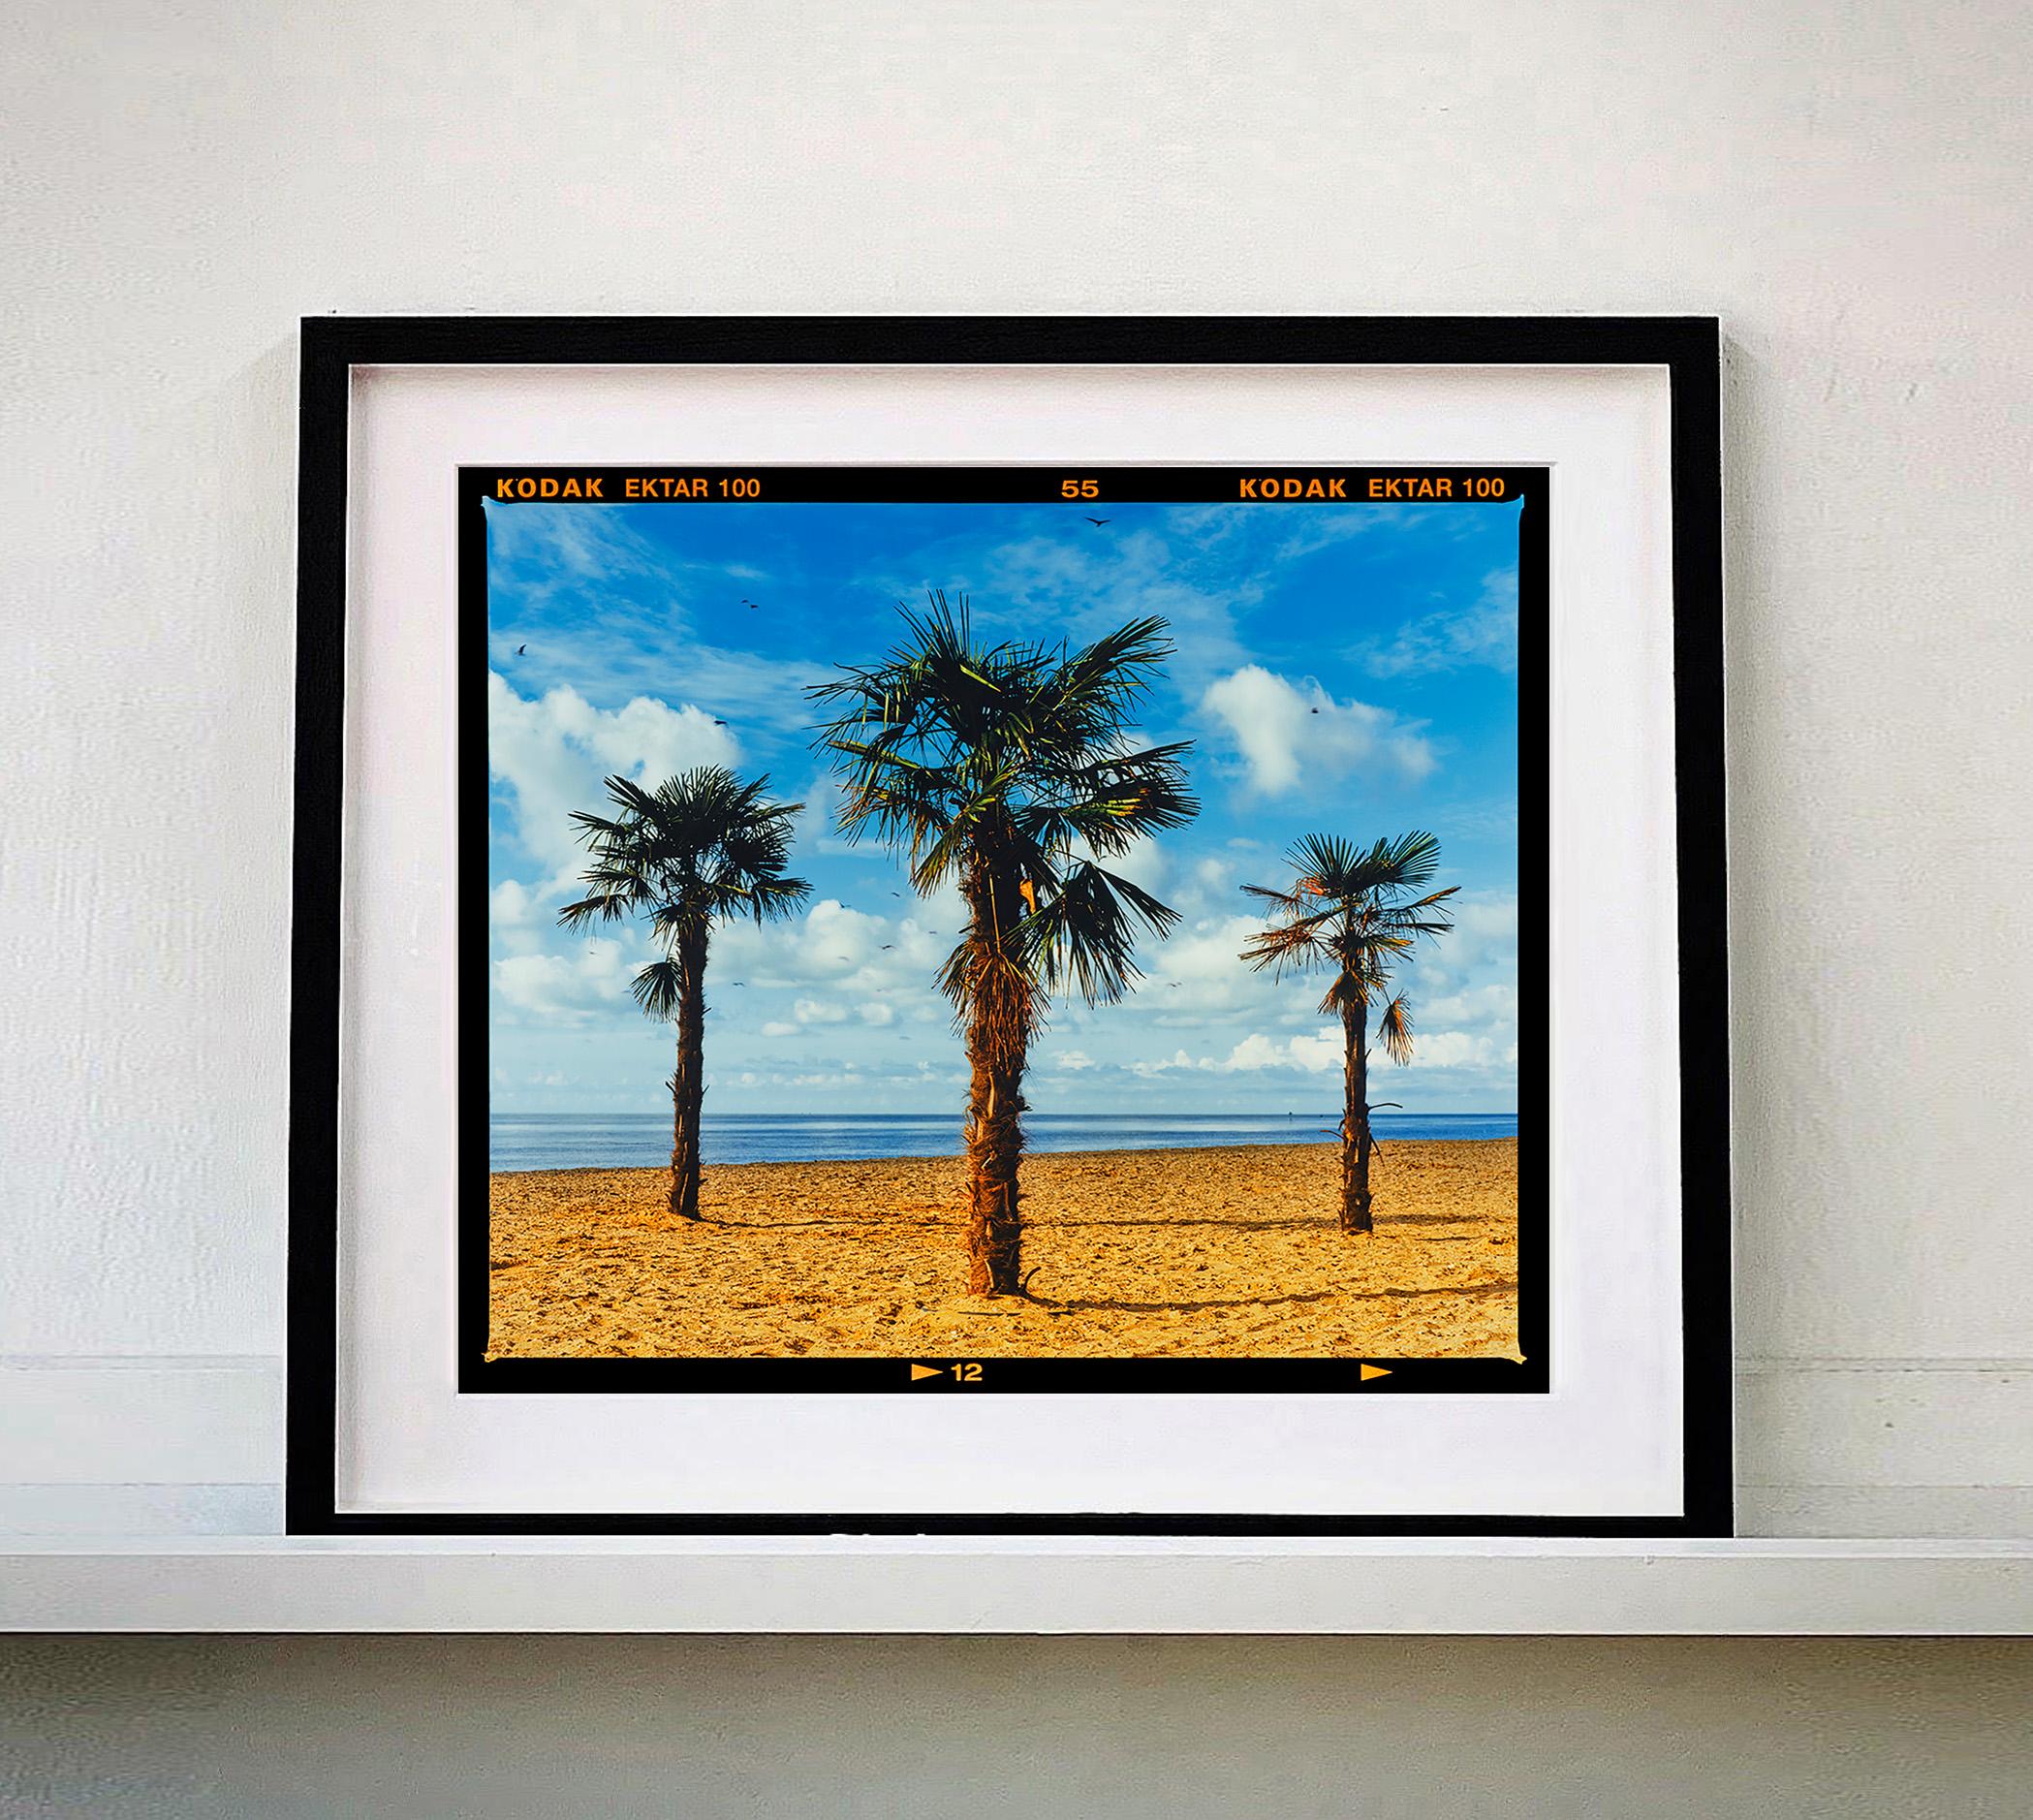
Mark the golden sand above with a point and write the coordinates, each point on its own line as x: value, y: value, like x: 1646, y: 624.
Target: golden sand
x: 1137, y: 1253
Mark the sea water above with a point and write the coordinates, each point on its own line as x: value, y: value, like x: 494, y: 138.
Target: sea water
x: 643, y: 1140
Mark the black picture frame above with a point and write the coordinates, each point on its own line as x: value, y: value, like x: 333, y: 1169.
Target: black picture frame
x: 1687, y: 348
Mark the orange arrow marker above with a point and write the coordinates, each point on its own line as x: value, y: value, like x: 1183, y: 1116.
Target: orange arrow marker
x: 927, y: 1371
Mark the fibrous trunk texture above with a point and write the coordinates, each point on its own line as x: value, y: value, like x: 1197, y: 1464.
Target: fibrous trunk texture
x: 994, y: 1149
x: 998, y: 1041
x: 688, y: 1081
x: 1354, y: 1120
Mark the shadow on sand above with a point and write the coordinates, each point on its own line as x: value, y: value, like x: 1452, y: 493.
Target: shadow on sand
x: 1271, y: 1302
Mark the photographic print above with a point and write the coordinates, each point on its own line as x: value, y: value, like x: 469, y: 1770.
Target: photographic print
x: 889, y: 940
x: 974, y: 930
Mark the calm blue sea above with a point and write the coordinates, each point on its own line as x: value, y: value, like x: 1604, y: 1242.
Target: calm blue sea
x: 643, y: 1140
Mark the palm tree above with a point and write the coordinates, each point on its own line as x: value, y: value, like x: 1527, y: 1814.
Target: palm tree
x: 1009, y: 769
x: 1355, y: 912
x: 701, y: 848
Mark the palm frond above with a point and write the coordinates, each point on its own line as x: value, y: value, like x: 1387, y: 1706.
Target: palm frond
x: 698, y: 847
x: 1394, y: 1030
x: 1010, y: 768
x: 1284, y: 948
x: 1083, y: 936
x: 657, y: 987
x: 1357, y: 911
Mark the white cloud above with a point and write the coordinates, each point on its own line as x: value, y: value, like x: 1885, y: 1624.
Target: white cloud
x: 553, y: 546
x: 567, y: 989
x: 1454, y: 1049
x: 515, y: 915
x: 1484, y: 632
x: 1293, y: 734
x: 777, y: 1026
x: 1147, y: 864
x: 553, y: 752
x: 875, y: 1013
x: 837, y: 949
x: 1315, y: 1053
x: 833, y: 941
x: 1493, y: 1003
x: 1479, y: 950
x: 1086, y: 581
x: 509, y: 904
x: 1201, y: 969
x: 1320, y: 1053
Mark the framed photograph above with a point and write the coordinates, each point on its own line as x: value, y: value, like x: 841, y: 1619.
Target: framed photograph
x: 1035, y: 927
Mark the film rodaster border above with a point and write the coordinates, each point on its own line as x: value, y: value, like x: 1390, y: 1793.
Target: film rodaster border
x: 1270, y: 487
x: 1186, y: 484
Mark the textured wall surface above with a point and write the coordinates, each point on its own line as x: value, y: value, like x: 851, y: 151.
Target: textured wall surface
x: 1849, y: 187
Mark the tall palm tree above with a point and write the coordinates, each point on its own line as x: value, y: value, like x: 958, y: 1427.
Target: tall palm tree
x: 701, y: 848
x: 1355, y: 912
x: 1009, y: 769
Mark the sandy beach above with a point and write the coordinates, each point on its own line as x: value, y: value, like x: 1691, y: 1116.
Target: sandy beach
x: 1138, y: 1254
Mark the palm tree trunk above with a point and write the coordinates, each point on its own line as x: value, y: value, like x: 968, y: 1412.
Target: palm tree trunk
x: 688, y: 1081
x: 1355, y: 1119
x: 998, y: 1043
x: 994, y: 1150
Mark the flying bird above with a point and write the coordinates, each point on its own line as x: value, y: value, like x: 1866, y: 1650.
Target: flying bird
x: 520, y: 648
x: 1101, y: 521
x: 1316, y: 710
x: 886, y: 946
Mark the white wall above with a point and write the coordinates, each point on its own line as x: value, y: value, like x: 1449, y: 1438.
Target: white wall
x: 1847, y: 185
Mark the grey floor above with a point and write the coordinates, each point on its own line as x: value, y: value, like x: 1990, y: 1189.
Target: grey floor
x: 1071, y: 1727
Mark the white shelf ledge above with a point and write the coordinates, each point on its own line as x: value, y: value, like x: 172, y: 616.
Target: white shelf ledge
x: 1019, y: 1586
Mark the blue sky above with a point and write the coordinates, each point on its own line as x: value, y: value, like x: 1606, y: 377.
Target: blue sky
x: 1342, y: 667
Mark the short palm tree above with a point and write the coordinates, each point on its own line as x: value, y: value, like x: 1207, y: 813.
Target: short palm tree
x: 702, y: 848
x: 1009, y: 768
x: 1355, y: 912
